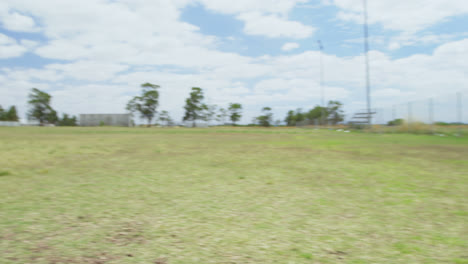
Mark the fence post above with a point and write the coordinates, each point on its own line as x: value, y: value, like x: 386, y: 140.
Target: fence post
x: 459, y: 113
x: 394, y: 117
x: 431, y: 114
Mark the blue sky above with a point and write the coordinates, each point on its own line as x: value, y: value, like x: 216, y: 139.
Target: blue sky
x: 92, y: 55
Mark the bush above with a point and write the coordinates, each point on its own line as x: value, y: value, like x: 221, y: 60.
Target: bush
x: 396, y: 122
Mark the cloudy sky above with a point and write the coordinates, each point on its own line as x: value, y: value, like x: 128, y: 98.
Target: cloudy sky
x: 92, y: 55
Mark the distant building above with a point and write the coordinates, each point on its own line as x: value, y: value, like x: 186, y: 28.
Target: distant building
x: 123, y: 120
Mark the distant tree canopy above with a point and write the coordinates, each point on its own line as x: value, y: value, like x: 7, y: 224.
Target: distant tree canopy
x: 293, y: 118
x: 319, y: 114
x: 266, y: 118
x: 332, y: 114
x: 147, y: 103
x: 194, y: 106
x: 41, y: 110
x: 335, y: 112
x: 10, y: 115
x: 165, y: 118
x: 67, y: 120
x: 235, y: 112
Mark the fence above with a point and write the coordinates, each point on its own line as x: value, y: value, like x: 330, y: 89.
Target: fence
x: 105, y: 120
x: 10, y: 123
x: 447, y: 114
x: 196, y: 124
x: 441, y: 114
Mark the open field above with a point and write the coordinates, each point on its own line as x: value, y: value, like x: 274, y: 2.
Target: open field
x: 226, y: 195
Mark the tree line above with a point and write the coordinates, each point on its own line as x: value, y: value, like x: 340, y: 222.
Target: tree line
x: 146, y: 106
x: 9, y: 115
x: 196, y: 109
x: 330, y: 114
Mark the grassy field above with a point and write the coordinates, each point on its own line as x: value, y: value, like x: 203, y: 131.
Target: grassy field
x: 227, y: 195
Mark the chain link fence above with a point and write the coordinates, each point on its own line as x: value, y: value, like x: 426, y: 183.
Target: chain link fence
x: 439, y: 115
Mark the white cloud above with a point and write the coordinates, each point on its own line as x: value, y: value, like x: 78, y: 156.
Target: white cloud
x: 290, y: 46
x: 88, y: 70
x: 402, y: 15
x: 274, y: 26
x: 5, y: 40
x: 408, y: 18
x: 409, y: 39
x: 263, y: 17
x: 15, y: 21
x: 9, y: 47
x: 245, y: 6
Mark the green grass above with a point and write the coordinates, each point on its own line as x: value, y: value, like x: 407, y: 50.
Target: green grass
x: 231, y: 195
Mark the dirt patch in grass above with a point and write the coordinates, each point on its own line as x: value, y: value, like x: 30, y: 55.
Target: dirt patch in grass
x: 43, y: 251
x: 339, y: 254
x: 129, y: 233
x: 161, y: 261
x: 8, y: 236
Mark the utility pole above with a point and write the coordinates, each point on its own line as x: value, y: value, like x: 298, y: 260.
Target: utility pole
x: 366, y: 53
x: 322, y: 92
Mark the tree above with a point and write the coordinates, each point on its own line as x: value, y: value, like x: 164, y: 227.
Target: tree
x: 165, y: 118
x: 221, y: 117
x: 300, y: 116
x: 194, y: 106
x: 295, y: 117
x: 267, y: 118
x: 67, y: 120
x: 235, y: 112
x: 12, y: 114
x: 52, y: 117
x: 290, y: 118
x: 335, y: 112
x: 40, y: 107
x: 317, y: 113
x: 2, y: 114
x: 147, y: 103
